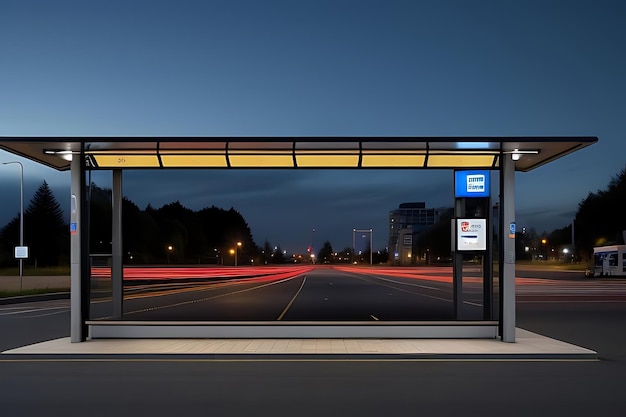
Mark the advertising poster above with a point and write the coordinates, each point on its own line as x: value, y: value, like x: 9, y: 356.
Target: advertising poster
x: 471, y: 234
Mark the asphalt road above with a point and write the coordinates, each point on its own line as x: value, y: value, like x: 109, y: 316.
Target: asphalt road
x: 323, y: 293
x: 590, y: 314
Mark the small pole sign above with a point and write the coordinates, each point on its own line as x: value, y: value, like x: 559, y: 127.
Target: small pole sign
x: 512, y: 230
x: 21, y: 252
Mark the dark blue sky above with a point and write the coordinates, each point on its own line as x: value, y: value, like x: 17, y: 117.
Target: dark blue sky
x: 318, y: 68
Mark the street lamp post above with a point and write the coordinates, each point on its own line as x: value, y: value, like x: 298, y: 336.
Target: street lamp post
x: 237, y: 250
x: 21, y: 214
x: 170, y: 249
x: 313, y: 245
x: 371, y: 232
x: 234, y: 251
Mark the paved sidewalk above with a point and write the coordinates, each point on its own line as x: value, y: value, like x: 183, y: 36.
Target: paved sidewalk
x: 529, y: 346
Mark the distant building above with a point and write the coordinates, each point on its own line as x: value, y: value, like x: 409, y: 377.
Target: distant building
x: 405, y: 224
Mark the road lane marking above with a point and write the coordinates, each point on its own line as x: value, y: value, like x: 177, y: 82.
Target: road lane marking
x: 32, y: 310
x: 405, y: 283
x: 44, y: 315
x: 472, y: 304
x: 378, y: 277
x: 292, y: 300
x: 209, y: 298
x: 40, y: 304
x: 400, y: 289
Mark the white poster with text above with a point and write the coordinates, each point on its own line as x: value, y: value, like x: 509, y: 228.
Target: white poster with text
x: 471, y: 234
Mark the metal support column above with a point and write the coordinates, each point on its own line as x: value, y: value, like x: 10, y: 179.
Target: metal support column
x: 117, y: 272
x: 371, y: 247
x: 507, y: 247
x: 77, y: 318
x: 457, y: 265
x: 488, y: 268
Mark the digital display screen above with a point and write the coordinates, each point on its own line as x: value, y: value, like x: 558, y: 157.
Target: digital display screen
x: 475, y: 183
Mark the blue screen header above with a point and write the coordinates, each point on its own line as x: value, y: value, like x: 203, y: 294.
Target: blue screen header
x: 475, y: 183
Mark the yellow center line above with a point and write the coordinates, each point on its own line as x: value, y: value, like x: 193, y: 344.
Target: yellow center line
x: 292, y: 300
x: 209, y: 298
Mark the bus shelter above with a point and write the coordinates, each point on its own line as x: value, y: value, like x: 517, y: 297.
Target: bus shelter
x: 502, y: 155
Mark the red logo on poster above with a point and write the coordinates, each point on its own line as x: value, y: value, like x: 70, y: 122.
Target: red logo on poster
x: 465, y: 226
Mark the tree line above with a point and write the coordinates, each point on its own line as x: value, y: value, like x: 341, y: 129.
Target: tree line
x: 600, y: 220
x: 176, y: 234
x: 170, y: 234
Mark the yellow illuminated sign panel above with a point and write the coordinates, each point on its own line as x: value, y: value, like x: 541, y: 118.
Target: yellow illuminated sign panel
x: 327, y: 159
x: 126, y: 161
x: 381, y: 159
x: 460, y: 161
x: 195, y: 161
x: 260, y: 159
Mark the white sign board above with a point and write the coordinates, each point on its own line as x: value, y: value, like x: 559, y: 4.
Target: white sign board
x: 21, y: 252
x: 471, y: 234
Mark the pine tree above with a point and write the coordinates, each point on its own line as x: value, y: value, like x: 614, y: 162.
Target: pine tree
x: 45, y: 231
x: 9, y: 238
x: 325, y: 254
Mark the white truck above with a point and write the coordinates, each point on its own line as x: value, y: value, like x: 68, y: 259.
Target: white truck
x: 609, y: 261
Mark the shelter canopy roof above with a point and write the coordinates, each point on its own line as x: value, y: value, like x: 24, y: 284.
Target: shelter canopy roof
x: 116, y: 152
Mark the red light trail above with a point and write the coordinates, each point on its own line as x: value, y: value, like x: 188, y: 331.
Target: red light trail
x: 175, y: 273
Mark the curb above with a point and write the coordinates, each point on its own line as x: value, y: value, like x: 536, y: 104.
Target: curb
x: 286, y: 357
x: 35, y: 298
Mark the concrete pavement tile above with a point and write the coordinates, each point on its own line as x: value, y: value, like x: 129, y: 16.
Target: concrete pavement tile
x: 528, y: 345
x: 280, y: 345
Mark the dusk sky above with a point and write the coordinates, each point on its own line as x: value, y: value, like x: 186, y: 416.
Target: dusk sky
x: 317, y: 68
